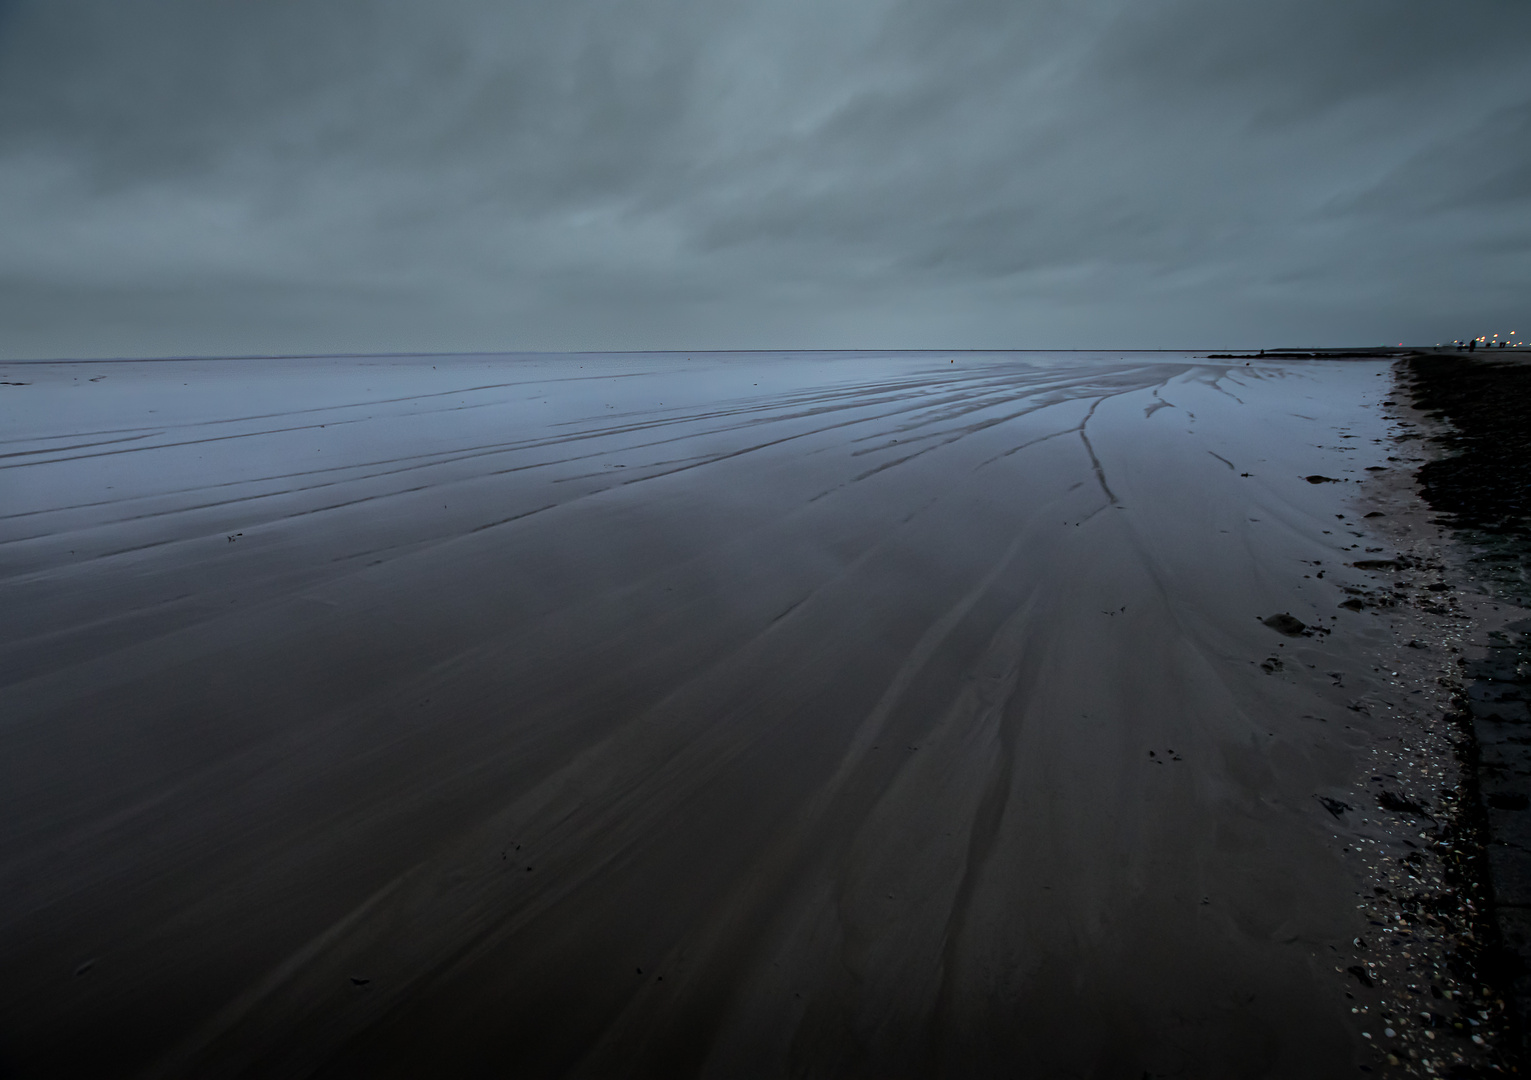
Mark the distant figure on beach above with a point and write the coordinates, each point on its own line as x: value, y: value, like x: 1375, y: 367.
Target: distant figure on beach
x: 1472, y: 346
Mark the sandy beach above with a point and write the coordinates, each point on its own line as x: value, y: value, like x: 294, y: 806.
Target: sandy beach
x: 845, y: 714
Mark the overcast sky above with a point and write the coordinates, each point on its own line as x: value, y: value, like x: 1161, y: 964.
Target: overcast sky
x: 289, y: 176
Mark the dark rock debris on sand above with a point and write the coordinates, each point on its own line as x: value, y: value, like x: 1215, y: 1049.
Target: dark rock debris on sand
x: 1479, y: 483
x: 1286, y: 623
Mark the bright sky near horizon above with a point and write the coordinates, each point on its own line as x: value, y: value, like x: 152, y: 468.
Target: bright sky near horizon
x: 218, y: 177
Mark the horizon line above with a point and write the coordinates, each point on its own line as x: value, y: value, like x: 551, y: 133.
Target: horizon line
x: 191, y: 358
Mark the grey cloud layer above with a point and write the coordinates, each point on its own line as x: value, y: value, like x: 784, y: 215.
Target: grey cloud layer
x: 283, y: 176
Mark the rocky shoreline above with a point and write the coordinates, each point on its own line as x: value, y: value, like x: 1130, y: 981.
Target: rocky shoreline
x: 1437, y: 828
x: 1479, y: 414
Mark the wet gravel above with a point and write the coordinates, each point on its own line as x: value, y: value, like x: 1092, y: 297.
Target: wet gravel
x: 1441, y: 976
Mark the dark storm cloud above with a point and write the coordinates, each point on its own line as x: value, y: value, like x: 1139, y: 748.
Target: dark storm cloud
x: 284, y: 176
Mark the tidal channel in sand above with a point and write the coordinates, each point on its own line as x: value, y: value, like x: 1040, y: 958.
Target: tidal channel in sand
x: 733, y: 715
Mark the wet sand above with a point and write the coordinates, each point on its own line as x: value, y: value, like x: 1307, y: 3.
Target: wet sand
x: 753, y: 715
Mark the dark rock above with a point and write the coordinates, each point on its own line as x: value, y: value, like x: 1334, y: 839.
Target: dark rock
x: 1286, y: 624
x: 1389, y: 800
x: 1334, y: 806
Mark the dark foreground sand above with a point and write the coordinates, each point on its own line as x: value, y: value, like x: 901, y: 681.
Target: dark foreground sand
x: 737, y: 716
